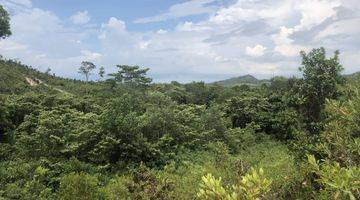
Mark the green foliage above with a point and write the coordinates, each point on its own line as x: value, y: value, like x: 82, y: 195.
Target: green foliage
x: 252, y: 186
x: 340, y: 139
x: 5, y: 122
x: 102, y: 72
x: 57, y: 133
x: 4, y: 23
x: 86, y: 68
x: 320, y: 78
x: 212, y: 188
x: 125, y: 138
x: 78, y: 186
x: 338, y: 182
x: 117, y: 189
x: 244, y: 110
x: 132, y: 76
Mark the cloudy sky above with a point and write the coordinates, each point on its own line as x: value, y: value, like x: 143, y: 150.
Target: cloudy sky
x: 182, y: 40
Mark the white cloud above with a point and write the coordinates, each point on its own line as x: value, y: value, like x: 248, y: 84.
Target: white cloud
x: 315, y: 12
x: 143, y: 45
x: 35, y: 21
x: 250, y: 10
x: 115, y: 24
x: 347, y: 26
x: 91, y: 56
x: 161, y: 31
x: 188, y: 8
x: 257, y: 50
x: 228, y: 42
x: 190, y: 26
x: 81, y: 17
x: 285, y: 45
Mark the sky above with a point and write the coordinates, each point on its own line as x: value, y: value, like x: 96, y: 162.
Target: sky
x: 181, y: 40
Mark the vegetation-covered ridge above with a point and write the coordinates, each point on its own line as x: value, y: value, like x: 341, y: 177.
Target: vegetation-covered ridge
x: 242, y: 80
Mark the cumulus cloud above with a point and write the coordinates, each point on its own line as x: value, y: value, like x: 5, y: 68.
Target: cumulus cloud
x: 115, y: 24
x: 41, y: 39
x: 284, y: 44
x: 262, y: 38
x: 257, y: 50
x: 248, y: 10
x: 81, y: 17
x: 314, y: 12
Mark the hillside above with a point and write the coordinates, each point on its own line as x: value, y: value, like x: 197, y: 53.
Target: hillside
x: 241, y: 80
x: 16, y: 78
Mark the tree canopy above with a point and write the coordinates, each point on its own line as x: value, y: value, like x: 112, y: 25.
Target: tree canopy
x: 321, y: 76
x: 86, y: 68
x: 131, y: 76
x: 4, y: 23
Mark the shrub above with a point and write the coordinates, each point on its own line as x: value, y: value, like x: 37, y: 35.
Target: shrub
x: 78, y: 186
x: 252, y: 186
x: 337, y: 182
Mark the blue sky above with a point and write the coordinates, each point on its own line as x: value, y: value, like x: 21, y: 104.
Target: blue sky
x: 181, y: 40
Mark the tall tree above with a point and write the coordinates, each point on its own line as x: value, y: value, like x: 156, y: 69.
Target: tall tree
x: 4, y: 23
x: 131, y: 76
x: 86, y: 68
x: 320, y: 78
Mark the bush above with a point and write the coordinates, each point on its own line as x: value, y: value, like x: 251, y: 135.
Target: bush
x: 337, y: 182
x: 78, y: 186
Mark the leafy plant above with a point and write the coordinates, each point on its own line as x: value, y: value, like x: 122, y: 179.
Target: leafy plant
x: 252, y: 186
x: 338, y: 182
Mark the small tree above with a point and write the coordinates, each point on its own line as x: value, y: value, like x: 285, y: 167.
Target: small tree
x: 48, y: 70
x: 131, y: 76
x: 102, y: 72
x: 4, y: 23
x: 86, y: 68
x: 320, y: 78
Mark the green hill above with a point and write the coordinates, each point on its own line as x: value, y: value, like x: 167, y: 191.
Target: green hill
x: 16, y: 78
x: 241, y: 80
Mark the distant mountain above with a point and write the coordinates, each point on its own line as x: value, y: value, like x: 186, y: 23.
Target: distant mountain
x: 241, y: 80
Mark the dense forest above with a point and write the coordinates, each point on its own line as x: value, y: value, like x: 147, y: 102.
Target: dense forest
x: 125, y: 137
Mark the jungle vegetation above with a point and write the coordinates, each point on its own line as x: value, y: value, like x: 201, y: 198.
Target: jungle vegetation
x: 125, y: 137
